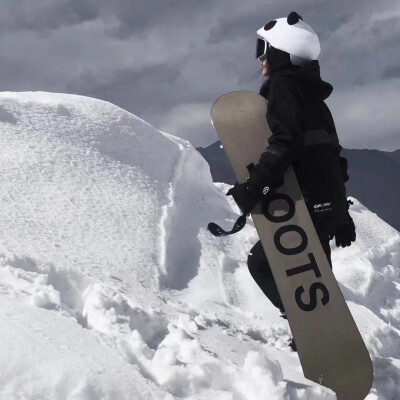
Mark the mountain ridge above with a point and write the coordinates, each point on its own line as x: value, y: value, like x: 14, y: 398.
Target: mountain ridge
x: 373, y: 174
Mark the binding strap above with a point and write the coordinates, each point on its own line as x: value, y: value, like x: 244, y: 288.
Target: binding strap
x: 216, y: 230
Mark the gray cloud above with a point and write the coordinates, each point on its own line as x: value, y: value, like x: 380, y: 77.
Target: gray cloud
x: 141, y: 90
x: 43, y: 15
x: 167, y: 61
x: 136, y: 18
x: 391, y: 72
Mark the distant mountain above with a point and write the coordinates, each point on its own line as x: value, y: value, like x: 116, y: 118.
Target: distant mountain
x: 220, y: 166
x: 394, y: 155
x: 375, y: 181
x: 374, y: 178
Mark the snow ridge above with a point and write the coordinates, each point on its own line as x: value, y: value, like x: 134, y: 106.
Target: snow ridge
x: 111, y: 287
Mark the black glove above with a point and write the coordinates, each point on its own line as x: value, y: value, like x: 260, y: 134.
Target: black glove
x: 244, y: 197
x: 345, y: 234
x: 260, y: 180
x: 257, y: 188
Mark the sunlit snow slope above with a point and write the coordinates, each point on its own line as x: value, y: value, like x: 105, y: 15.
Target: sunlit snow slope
x: 112, y: 288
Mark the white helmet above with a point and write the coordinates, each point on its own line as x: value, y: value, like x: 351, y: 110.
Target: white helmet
x: 291, y: 35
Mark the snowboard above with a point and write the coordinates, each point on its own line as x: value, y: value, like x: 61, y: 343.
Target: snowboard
x: 329, y: 345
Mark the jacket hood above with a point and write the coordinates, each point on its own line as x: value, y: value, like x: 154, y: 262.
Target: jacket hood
x: 307, y: 74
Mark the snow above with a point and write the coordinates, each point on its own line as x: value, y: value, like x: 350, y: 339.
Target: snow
x: 112, y: 288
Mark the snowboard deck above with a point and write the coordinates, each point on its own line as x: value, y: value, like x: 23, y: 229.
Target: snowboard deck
x: 329, y: 345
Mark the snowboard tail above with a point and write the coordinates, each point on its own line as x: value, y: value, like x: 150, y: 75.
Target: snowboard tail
x: 329, y: 345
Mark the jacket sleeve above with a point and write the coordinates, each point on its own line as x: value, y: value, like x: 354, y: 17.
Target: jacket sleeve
x: 285, y: 119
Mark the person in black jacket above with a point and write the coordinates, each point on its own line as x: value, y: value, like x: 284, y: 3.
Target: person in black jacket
x: 303, y: 135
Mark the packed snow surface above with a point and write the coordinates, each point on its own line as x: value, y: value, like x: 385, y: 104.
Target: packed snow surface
x: 112, y: 288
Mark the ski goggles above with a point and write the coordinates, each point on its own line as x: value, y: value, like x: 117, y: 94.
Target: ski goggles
x: 261, y: 49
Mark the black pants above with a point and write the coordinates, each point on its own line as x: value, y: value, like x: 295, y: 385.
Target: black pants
x: 261, y: 271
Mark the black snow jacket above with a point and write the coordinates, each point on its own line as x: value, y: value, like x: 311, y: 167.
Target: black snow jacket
x: 304, y: 135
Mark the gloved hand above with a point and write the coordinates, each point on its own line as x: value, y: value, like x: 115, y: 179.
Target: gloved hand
x: 345, y: 234
x: 245, y: 198
x: 260, y: 181
x: 257, y: 188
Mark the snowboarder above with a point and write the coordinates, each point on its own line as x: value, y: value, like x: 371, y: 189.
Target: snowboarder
x: 303, y: 135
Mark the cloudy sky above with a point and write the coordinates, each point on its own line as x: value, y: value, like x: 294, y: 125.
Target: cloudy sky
x: 168, y: 60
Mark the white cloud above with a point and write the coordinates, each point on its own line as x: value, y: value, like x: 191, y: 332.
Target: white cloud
x: 190, y: 121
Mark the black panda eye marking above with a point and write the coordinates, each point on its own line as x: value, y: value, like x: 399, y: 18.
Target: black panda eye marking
x: 293, y: 18
x: 269, y: 26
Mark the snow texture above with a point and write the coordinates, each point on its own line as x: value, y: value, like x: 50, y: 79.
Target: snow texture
x: 112, y: 288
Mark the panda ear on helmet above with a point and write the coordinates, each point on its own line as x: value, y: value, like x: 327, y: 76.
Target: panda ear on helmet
x: 293, y: 18
x: 270, y: 25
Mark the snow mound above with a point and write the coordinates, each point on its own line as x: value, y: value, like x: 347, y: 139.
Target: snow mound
x: 112, y: 288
